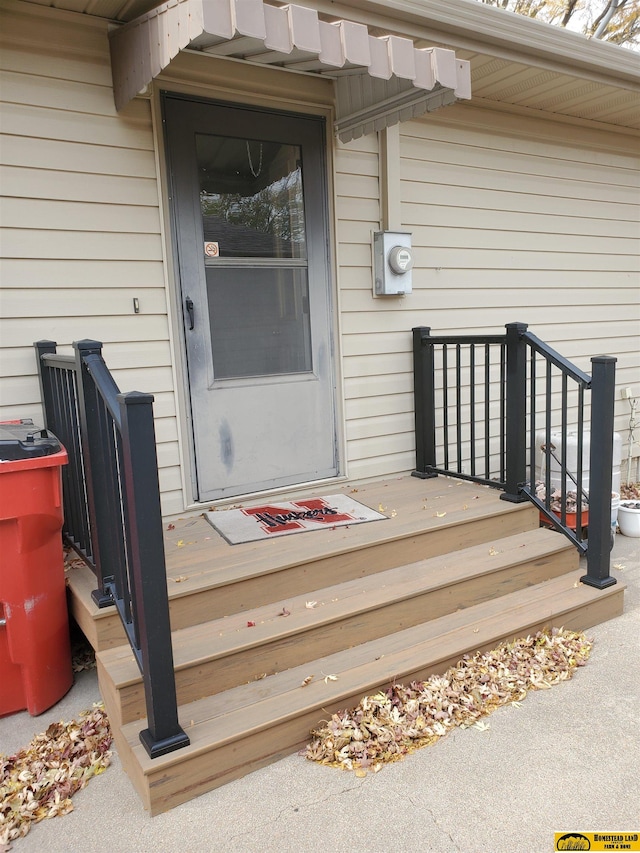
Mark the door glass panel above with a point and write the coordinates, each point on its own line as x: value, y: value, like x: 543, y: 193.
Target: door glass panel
x: 259, y: 321
x: 251, y: 197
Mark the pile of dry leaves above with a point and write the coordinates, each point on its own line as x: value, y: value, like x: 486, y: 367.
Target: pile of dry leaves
x: 630, y: 491
x: 393, y: 723
x: 39, y: 781
x: 555, y: 499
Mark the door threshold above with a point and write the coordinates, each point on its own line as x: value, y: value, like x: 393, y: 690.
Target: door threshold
x: 291, y: 492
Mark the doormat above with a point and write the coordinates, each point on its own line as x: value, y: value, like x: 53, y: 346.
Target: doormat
x: 249, y: 524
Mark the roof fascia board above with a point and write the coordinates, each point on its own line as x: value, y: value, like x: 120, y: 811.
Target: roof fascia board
x: 471, y: 25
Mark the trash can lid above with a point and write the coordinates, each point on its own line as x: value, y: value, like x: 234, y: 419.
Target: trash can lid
x: 23, y: 440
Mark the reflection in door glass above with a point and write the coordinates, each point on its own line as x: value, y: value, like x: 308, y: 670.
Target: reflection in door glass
x: 251, y: 197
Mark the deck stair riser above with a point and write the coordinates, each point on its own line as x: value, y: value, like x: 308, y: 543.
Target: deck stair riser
x: 224, y: 653
x: 250, y: 726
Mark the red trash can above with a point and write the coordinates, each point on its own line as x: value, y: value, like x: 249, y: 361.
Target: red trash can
x: 35, y: 654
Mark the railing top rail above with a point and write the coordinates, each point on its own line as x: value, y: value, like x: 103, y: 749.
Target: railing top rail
x: 105, y: 385
x: 463, y: 339
x: 559, y: 361
x: 55, y: 359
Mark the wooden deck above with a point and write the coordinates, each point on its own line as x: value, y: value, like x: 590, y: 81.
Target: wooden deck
x: 452, y: 569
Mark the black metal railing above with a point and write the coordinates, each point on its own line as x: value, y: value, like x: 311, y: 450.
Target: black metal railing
x: 502, y: 410
x: 113, y: 516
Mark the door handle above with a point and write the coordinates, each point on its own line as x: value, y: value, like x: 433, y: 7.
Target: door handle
x: 189, y: 306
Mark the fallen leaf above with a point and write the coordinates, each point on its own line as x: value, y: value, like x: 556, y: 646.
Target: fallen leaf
x: 329, y: 678
x: 180, y: 579
x: 360, y: 773
x: 307, y: 680
x: 440, y: 515
x: 310, y: 604
x: 393, y: 513
x: 354, y: 491
x: 619, y: 567
x: 483, y: 727
x: 493, y: 552
x: 284, y: 612
x: 382, y: 508
x: 465, y: 506
x: 251, y: 624
x: 180, y: 543
x: 475, y: 630
x: 171, y: 527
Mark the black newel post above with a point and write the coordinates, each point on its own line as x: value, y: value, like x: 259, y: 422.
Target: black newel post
x: 424, y: 403
x: 101, y: 517
x: 516, y: 413
x: 46, y: 393
x: 148, y: 574
x: 603, y: 380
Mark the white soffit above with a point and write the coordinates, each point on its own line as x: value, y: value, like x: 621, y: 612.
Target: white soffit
x: 380, y: 80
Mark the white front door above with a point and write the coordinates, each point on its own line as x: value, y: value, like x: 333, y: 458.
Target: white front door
x: 249, y: 205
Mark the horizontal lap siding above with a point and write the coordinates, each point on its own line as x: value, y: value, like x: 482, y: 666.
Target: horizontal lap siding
x: 512, y: 220
x: 376, y: 363
x: 80, y: 222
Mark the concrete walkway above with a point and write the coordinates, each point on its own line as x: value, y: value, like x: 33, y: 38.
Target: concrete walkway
x: 567, y: 760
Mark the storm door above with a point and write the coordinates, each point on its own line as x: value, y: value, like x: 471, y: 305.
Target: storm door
x: 248, y: 195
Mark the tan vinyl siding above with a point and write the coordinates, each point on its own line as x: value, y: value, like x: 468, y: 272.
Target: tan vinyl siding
x: 512, y: 220
x: 80, y: 221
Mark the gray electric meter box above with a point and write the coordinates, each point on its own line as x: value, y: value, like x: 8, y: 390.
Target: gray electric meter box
x: 392, y: 263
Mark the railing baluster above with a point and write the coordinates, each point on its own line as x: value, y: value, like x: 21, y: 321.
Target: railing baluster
x: 533, y: 452
x: 580, y: 450
x: 547, y: 436
x: 563, y: 451
x: 472, y: 407
x: 503, y: 419
x: 459, y: 407
x: 487, y: 411
x: 445, y: 404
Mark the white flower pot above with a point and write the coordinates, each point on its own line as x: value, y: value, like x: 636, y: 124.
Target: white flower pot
x: 629, y: 518
x: 615, y: 504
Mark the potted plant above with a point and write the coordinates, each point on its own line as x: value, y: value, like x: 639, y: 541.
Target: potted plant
x: 570, y: 505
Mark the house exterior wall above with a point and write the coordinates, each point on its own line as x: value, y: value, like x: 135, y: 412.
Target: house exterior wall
x: 80, y: 220
x: 513, y: 218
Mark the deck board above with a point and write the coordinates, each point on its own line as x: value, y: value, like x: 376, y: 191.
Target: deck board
x: 223, y: 652
x: 207, y: 558
x: 207, y: 578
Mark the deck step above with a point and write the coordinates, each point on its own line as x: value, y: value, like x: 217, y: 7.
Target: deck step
x: 209, y: 579
x: 221, y: 654
x: 247, y: 727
